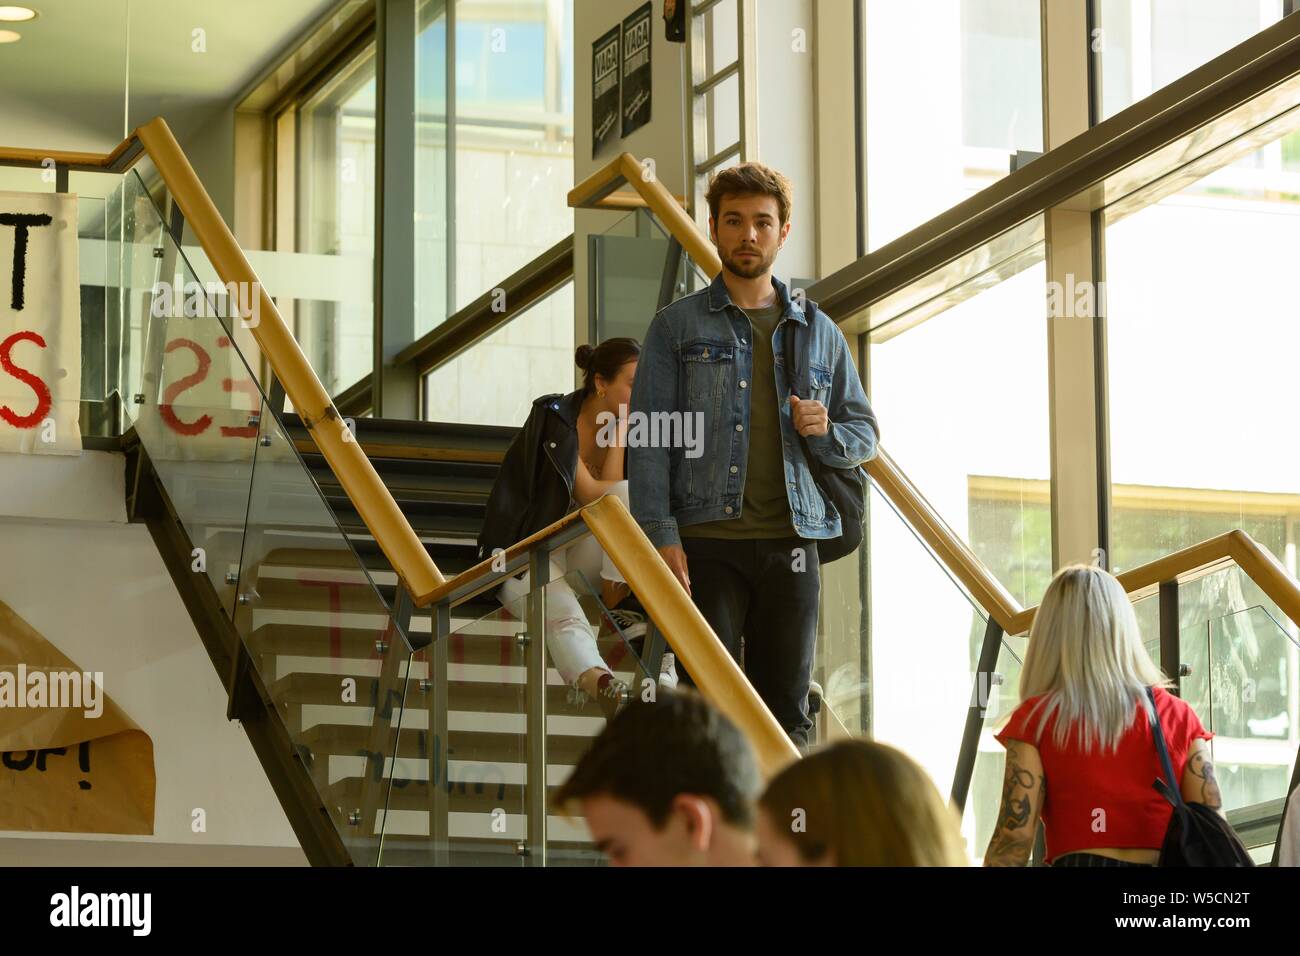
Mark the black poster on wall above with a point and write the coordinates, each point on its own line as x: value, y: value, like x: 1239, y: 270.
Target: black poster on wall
x: 636, y: 69
x: 604, y: 89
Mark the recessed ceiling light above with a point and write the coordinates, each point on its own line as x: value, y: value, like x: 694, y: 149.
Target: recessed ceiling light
x: 10, y: 36
x: 17, y: 14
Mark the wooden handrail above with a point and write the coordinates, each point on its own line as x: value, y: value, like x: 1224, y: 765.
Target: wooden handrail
x: 973, y: 574
x: 362, y: 484
x: 626, y: 168
x: 625, y: 201
x: 715, y: 672
x: 118, y: 160
x: 1232, y: 547
x: 484, y: 567
x: 1256, y: 561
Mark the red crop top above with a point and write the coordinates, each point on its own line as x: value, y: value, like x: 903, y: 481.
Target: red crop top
x: 1106, y: 799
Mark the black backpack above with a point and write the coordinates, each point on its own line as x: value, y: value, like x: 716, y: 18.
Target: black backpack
x: 1197, y: 835
x: 844, y: 488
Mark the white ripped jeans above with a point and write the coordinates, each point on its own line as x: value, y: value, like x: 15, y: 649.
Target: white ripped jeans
x: 569, y: 638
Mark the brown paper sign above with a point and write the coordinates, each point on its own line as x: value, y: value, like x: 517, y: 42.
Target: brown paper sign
x: 71, y: 761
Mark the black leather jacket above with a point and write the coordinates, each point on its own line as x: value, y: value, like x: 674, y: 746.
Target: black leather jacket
x: 535, y: 483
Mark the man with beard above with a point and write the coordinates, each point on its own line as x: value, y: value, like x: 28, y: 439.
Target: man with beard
x: 739, y: 524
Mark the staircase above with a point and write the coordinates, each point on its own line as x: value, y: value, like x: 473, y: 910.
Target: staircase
x: 458, y: 790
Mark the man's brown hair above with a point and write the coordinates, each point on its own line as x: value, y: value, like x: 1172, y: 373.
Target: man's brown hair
x: 654, y: 751
x: 750, y: 179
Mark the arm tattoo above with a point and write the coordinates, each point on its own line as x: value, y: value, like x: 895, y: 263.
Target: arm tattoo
x: 1022, y: 792
x: 1015, y: 796
x: 1203, y: 769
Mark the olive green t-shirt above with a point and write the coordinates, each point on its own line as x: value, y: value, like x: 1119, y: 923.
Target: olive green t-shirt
x: 765, y: 506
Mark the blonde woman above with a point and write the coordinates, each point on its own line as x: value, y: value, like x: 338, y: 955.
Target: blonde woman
x: 856, y: 803
x: 1080, y: 749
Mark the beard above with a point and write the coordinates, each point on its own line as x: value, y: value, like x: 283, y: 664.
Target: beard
x: 749, y: 268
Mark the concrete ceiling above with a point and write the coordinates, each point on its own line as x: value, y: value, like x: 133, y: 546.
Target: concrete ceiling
x: 64, y: 85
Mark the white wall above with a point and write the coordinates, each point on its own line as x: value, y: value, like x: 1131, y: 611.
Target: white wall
x: 96, y: 587
x: 211, y: 151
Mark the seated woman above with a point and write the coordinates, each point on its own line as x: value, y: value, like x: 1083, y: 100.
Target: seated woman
x: 561, y: 460
x: 1080, y: 749
x: 856, y: 803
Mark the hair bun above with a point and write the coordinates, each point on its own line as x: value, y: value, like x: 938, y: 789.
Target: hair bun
x: 583, y: 356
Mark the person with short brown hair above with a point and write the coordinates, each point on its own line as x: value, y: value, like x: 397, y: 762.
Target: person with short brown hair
x: 738, y: 519
x: 670, y: 782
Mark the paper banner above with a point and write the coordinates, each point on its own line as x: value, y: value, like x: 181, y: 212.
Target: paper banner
x: 40, y: 324
x: 71, y: 761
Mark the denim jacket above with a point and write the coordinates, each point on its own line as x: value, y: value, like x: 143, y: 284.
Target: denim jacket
x: 697, y: 358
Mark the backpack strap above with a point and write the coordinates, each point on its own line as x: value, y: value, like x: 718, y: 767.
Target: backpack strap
x: 795, y: 348
x: 1170, y: 791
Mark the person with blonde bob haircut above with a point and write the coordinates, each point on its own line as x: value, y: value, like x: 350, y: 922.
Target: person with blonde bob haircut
x: 1084, y: 725
x: 856, y: 803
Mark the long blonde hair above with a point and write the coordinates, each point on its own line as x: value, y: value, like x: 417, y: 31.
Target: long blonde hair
x: 1086, y: 659
x: 866, y: 803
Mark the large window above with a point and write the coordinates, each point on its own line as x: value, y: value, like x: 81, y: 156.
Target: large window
x: 1202, y: 398
x: 496, y: 381
x: 959, y: 383
x: 1146, y: 44
x: 512, y: 128
x: 493, y: 141
x: 335, y: 179
x: 953, y: 93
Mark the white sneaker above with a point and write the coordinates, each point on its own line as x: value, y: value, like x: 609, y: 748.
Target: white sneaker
x: 668, y: 671
x: 630, y: 623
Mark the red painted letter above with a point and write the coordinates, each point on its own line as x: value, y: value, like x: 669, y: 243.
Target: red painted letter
x: 174, y: 390
x: 43, y: 400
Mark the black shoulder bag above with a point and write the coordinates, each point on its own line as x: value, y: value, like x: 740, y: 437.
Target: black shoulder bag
x: 844, y: 488
x: 1197, y: 835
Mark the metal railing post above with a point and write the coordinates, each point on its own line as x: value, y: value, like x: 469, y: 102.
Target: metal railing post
x: 985, y: 678
x: 1170, y: 652
x: 437, y: 700
x: 539, y: 575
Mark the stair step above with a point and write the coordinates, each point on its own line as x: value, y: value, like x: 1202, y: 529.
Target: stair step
x: 451, y: 520
x: 404, y: 850
x: 345, y: 565
x: 414, y: 478
x: 354, y: 594
x: 480, y: 746
x: 395, y: 438
x: 358, y: 643
x: 479, y: 696
x: 465, y: 796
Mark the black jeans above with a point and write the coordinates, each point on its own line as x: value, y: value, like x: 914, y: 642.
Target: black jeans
x: 766, y: 591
